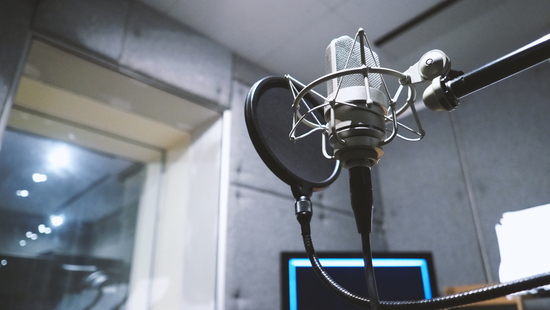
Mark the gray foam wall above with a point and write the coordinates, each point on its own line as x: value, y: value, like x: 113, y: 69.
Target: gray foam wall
x: 489, y: 154
x: 140, y: 42
x: 505, y: 136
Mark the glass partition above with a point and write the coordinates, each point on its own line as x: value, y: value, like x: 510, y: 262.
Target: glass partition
x: 68, y: 217
x: 100, y: 175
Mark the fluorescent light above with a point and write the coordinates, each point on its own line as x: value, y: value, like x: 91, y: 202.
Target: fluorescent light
x: 72, y: 267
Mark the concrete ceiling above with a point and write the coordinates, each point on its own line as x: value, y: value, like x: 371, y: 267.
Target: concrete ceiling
x: 290, y: 37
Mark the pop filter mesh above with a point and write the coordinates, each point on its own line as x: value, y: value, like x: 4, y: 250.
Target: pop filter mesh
x: 268, y: 112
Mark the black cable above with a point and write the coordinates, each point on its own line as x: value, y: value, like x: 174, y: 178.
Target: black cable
x: 451, y: 301
x: 304, y: 214
x: 360, y: 184
x: 369, y: 272
x: 473, y: 296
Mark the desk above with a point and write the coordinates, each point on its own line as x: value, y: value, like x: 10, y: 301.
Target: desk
x: 501, y: 301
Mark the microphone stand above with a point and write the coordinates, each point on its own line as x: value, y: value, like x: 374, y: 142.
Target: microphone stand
x: 445, y: 92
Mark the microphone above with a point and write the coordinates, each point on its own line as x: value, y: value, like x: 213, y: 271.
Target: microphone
x: 359, y: 113
x: 355, y: 105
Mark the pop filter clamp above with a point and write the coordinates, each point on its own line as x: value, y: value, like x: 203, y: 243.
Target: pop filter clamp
x: 276, y: 108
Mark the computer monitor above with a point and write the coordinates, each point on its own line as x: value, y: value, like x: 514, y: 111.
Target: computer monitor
x: 399, y: 276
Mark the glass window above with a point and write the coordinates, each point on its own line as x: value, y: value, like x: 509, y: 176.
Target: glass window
x: 100, y: 175
x: 67, y: 220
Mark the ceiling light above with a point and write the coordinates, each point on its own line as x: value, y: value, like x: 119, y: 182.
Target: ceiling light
x: 72, y: 267
x: 56, y: 220
x: 22, y: 243
x: 22, y: 193
x: 60, y: 157
x: 39, y: 177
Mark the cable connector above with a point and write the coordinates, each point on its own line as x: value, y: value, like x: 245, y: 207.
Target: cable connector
x: 304, y: 212
x: 361, y: 197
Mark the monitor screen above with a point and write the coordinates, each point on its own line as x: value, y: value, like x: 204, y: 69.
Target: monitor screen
x: 399, y: 276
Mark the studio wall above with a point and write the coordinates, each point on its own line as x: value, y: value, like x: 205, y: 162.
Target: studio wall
x: 15, y: 19
x: 487, y: 157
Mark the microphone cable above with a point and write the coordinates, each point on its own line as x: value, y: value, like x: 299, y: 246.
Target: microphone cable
x: 360, y: 184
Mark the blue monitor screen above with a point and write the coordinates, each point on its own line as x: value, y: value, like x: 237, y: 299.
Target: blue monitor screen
x: 399, y: 276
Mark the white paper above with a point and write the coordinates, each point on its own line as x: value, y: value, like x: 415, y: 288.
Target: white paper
x: 523, y: 238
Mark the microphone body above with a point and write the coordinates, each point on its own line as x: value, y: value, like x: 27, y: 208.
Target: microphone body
x: 357, y: 105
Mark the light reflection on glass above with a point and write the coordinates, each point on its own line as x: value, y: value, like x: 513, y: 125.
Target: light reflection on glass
x: 39, y: 177
x: 56, y: 220
x: 60, y: 157
x: 22, y: 193
x: 43, y: 229
x: 92, y: 207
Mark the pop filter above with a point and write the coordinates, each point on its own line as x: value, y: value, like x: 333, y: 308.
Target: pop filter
x: 268, y: 114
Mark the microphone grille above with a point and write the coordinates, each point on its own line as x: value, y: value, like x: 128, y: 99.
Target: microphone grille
x: 336, y: 57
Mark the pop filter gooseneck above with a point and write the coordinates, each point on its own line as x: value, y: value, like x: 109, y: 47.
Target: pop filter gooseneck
x: 268, y: 115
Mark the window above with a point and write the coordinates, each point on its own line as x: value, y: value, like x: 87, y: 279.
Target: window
x: 96, y: 189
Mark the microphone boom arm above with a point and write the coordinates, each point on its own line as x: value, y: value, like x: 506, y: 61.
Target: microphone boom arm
x: 444, y: 93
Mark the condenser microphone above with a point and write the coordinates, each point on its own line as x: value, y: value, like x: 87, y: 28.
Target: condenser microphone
x: 355, y: 105
x: 359, y: 114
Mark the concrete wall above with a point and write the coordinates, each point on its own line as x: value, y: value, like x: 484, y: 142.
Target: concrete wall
x: 15, y: 19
